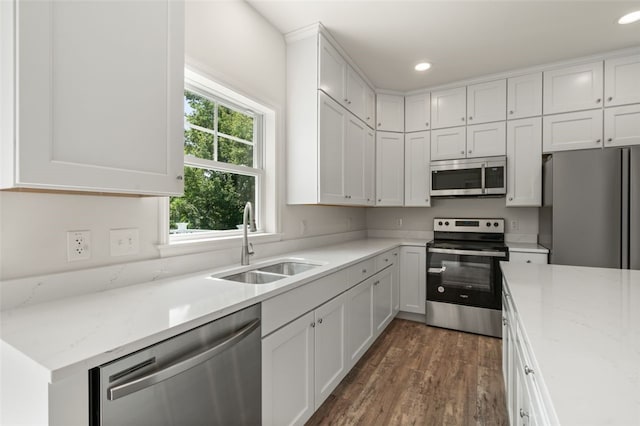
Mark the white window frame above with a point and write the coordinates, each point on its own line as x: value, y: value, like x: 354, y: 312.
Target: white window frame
x: 264, y: 129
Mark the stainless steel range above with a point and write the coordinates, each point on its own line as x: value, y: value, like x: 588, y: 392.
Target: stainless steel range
x: 464, y: 281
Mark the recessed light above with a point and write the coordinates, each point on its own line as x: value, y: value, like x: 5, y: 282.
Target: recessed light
x: 423, y: 66
x: 630, y: 18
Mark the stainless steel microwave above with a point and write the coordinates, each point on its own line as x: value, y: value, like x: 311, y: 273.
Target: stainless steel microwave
x: 471, y: 176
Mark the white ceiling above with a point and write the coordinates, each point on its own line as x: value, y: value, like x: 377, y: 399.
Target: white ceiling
x: 462, y: 39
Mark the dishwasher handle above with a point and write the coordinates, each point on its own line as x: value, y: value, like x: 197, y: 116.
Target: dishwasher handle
x: 180, y: 366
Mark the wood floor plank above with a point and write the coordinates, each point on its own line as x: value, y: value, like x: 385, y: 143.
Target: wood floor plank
x: 419, y: 375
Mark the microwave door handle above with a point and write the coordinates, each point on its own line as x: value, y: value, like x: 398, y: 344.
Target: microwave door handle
x: 483, y: 178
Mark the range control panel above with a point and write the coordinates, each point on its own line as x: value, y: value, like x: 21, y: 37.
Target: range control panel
x: 491, y: 225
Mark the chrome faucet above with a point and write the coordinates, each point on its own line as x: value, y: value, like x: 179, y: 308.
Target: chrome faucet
x: 247, y: 247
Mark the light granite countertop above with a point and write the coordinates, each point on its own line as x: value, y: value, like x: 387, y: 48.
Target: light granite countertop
x: 71, y: 335
x: 583, y: 328
x: 526, y: 248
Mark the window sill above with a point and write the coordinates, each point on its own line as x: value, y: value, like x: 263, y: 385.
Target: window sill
x: 177, y: 248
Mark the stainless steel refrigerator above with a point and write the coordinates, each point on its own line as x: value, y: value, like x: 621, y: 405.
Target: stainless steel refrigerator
x: 591, y: 208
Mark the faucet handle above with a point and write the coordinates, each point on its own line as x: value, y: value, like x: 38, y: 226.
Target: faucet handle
x: 250, y: 252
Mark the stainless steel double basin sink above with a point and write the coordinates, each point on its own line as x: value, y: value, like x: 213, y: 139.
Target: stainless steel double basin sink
x: 270, y: 273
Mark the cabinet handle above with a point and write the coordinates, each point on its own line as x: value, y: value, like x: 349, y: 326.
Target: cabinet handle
x: 346, y: 100
x: 368, y: 118
x: 528, y: 370
x: 610, y: 98
x: 368, y: 199
x: 598, y: 141
x: 395, y: 254
x: 320, y: 321
x: 364, y: 271
x: 426, y: 199
x: 461, y: 152
x: 462, y: 118
x: 523, y: 413
x: 379, y: 124
x: 346, y: 196
x: 598, y: 100
x: 610, y: 140
x: 510, y: 198
x: 469, y: 151
x: 470, y: 118
x: 379, y: 199
x: 376, y: 283
x: 313, y: 325
x: 179, y: 177
x: 426, y: 124
x: 529, y: 261
x: 349, y: 102
x: 511, y: 112
x: 504, y: 321
x: 386, y: 260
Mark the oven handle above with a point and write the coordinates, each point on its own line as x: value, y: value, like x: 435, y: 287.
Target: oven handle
x: 469, y: 252
x: 436, y: 270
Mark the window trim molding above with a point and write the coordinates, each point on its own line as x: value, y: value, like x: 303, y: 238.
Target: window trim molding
x: 169, y: 245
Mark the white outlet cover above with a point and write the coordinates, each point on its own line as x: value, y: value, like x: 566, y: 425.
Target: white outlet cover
x: 124, y: 242
x: 78, y: 245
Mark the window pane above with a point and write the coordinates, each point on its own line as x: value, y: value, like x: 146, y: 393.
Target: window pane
x: 230, y: 151
x: 212, y: 200
x: 234, y: 123
x: 198, y: 143
x: 198, y: 110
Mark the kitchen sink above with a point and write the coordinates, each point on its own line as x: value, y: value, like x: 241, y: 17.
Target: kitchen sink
x: 269, y: 273
x: 288, y: 268
x: 254, y: 277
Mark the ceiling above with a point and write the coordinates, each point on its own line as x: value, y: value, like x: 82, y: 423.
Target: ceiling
x: 462, y: 39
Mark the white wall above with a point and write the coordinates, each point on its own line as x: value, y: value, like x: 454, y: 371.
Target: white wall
x: 33, y: 226
x: 421, y: 218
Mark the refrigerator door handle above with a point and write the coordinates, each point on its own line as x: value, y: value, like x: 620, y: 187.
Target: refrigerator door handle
x: 625, y: 208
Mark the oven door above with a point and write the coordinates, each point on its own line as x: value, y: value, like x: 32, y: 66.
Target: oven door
x: 465, y: 277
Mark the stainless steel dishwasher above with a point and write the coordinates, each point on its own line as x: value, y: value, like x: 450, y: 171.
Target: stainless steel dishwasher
x: 210, y: 375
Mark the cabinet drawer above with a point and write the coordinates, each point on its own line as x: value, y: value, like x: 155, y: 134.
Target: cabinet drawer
x: 361, y: 271
x: 540, y: 258
x: 386, y: 259
x: 281, y: 309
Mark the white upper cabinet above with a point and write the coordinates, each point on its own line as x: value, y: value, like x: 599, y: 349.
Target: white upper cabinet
x: 524, y: 162
x: 622, y: 81
x: 573, y: 89
x: 356, y: 94
x: 370, y: 108
x: 576, y: 130
x: 389, y: 169
x: 448, y: 108
x: 359, y: 160
x: 94, y: 111
x: 622, y: 126
x: 448, y: 144
x: 417, y: 179
x: 417, y: 112
x: 524, y: 96
x: 486, y: 140
x: 486, y: 102
x: 332, y: 134
x: 332, y: 77
x: 390, y: 113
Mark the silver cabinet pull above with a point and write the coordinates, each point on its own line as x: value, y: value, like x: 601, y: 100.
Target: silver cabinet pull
x: 346, y: 100
x: 469, y: 151
x: 320, y: 321
x: 376, y: 283
x: 510, y: 198
x: 426, y: 124
x: 461, y: 152
x: 179, y: 177
x: 598, y: 100
x: 598, y: 141
x: 180, y: 366
x: 527, y: 370
x: 462, y: 118
x: 528, y: 260
x: 610, y: 140
x: 610, y: 98
x: 504, y: 321
x: 470, y: 118
x: 364, y: 271
x: 379, y: 124
x: 313, y: 325
x: 510, y: 112
x: 523, y: 413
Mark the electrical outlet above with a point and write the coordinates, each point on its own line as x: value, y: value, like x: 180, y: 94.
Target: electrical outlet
x: 124, y: 241
x: 514, y: 225
x: 78, y: 245
x: 399, y: 222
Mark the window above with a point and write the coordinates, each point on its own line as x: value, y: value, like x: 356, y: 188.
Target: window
x: 223, y: 165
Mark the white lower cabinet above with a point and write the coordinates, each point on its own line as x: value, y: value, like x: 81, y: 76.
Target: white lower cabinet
x: 287, y: 373
x: 303, y: 362
x: 575, y: 130
x: 359, y: 320
x: 622, y: 126
x: 413, y: 280
x: 382, y: 300
x: 528, y: 257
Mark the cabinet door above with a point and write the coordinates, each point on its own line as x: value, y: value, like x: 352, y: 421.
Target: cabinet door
x: 524, y: 162
x: 382, y: 301
x: 359, y: 320
x: 390, y: 113
x: 417, y: 112
x: 487, y: 102
x: 522, y: 257
x: 622, y: 81
x: 448, y: 108
x: 622, y: 126
x: 333, y: 72
x: 417, y: 177
x: 370, y: 168
x: 413, y: 279
x: 288, y: 373
x: 573, y: 89
x: 448, y: 144
x: 485, y: 140
x: 389, y: 169
x: 358, y: 163
x: 524, y: 96
x: 89, y: 103
x: 395, y: 283
x: 331, y: 359
x: 331, y: 137
x: 576, y: 130
x: 356, y: 94
x: 370, y: 108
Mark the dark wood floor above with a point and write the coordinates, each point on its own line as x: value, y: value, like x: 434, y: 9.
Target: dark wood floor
x: 419, y: 375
